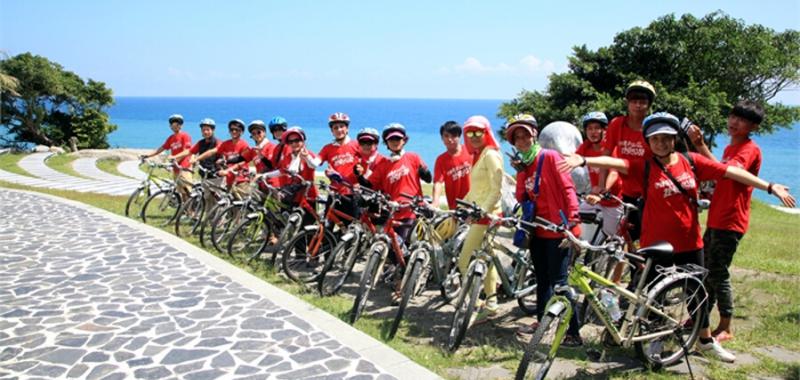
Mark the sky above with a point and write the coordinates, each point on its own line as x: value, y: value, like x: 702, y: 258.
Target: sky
x: 358, y: 49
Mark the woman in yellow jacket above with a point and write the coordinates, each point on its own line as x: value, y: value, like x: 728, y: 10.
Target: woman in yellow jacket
x: 486, y: 180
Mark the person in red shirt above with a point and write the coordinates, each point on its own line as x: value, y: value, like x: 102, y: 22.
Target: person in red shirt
x: 400, y: 173
x: 452, y: 168
x: 729, y: 215
x: 176, y: 143
x: 261, y: 153
x: 234, y: 153
x: 209, y: 175
x: 671, y: 212
x: 624, y: 140
x: 368, y: 157
x: 594, y: 127
x: 556, y: 193
x: 341, y: 158
x: 300, y: 161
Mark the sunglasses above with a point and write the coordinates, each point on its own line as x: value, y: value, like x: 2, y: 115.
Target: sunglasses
x: 367, y: 142
x: 292, y: 141
x: 472, y: 134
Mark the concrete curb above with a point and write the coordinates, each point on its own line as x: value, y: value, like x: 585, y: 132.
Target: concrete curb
x: 393, y: 362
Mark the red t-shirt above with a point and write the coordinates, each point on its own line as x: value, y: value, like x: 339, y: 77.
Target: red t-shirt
x: 371, y: 162
x: 668, y: 214
x: 454, y: 172
x: 624, y: 142
x: 342, y: 159
x: 255, y: 155
x: 730, y: 204
x: 234, y: 153
x: 587, y: 150
x: 397, y: 177
x: 306, y: 171
x: 177, y: 143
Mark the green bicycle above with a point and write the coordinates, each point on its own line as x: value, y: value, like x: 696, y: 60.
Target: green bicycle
x: 655, y: 322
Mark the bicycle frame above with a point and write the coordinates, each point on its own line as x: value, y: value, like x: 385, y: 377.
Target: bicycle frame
x: 511, y: 287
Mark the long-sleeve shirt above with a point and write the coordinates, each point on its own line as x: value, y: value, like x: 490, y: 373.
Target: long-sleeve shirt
x: 556, y: 192
x: 486, y: 180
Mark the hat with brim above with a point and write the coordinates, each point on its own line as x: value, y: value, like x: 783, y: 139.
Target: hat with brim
x: 288, y: 135
x: 369, y: 138
x: 395, y: 134
x: 513, y: 127
x: 660, y: 129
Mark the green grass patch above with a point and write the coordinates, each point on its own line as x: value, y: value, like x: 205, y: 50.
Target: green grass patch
x: 109, y: 165
x: 63, y: 164
x: 10, y: 163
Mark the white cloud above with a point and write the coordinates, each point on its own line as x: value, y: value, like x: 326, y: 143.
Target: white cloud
x: 526, y: 66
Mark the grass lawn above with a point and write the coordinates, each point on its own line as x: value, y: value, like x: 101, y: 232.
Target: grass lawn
x: 766, y: 280
x: 109, y: 165
x: 63, y: 164
x: 9, y: 161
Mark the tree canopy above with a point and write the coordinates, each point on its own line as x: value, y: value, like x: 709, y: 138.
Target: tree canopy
x: 700, y: 68
x: 48, y: 105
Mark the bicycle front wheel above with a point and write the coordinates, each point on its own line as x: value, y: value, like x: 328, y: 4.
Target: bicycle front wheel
x: 133, y: 207
x: 248, y: 239
x: 464, y: 309
x: 161, y: 207
x: 339, y: 266
x: 371, y: 271
x: 411, y: 287
x: 541, y: 350
x: 223, y: 225
x: 189, y: 217
x: 683, y: 300
x: 305, y: 255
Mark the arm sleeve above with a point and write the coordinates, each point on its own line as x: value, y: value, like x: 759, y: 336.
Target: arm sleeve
x: 708, y: 169
x: 312, y: 160
x: 494, y: 163
x: 424, y: 174
x: 195, y: 148
x: 567, y: 187
x: 438, y: 170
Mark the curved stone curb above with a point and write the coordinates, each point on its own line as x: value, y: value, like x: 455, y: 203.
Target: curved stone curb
x: 388, y: 360
x: 88, y: 167
x: 131, y: 169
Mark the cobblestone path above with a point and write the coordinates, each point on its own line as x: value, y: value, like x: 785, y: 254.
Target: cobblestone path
x: 84, y: 296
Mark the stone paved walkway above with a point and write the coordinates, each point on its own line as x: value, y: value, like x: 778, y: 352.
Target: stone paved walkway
x: 84, y: 293
x: 35, y: 165
x: 87, y: 167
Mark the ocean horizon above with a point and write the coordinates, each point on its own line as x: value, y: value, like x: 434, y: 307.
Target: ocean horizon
x: 142, y: 123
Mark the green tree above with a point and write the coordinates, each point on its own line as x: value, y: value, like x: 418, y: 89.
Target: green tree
x: 700, y: 68
x: 48, y: 105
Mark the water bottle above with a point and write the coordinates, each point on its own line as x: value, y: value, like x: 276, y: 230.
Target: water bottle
x: 611, y: 304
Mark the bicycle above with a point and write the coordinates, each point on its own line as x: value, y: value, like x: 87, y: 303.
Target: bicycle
x: 434, y: 256
x: 191, y: 214
x: 383, y: 240
x: 358, y: 235
x: 656, y: 316
x: 161, y: 208
x: 519, y: 283
x: 139, y: 195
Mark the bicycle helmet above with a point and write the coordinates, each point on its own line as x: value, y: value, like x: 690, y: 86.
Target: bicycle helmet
x: 277, y: 123
x: 208, y: 122
x: 238, y: 123
x: 642, y: 86
x: 660, y: 123
x: 256, y: 124
x: 368, y: 134
x: 392, y: 130
x: 339, y: 117
x: 522, y: 120
x: 294, y: 130
x: 447, y: 228
x: 595, y: 116
x: 176, y: 118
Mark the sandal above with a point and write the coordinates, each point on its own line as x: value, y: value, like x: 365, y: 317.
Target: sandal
x: 528, y: 329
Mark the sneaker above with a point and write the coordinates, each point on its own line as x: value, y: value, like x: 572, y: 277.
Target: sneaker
x: 484, y: 315
x: 715, y: 349
x: 572, y: 341
x: 528, y: 329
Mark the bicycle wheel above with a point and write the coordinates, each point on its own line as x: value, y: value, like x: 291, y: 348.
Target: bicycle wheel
x: 189, y: 217
x: 248, y: 239
x: 528, y: 302
x: 205, y: 226
x: 540, y: 353
x: 339, y: 266
x: 464, y: 309
x: 223, y: 225
x: 288, y: 231
x: 133, y: 207
x: 368, y: 276
x: 161, y: 207
x: 681, y: 299
x: 411, y: 287
x: 304, y: 256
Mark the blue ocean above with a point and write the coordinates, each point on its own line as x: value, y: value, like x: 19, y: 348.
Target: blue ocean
x: 142, y: 123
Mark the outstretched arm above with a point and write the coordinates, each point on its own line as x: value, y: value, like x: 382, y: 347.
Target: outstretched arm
x: 696, y: 138
x: 572, y: 161
x: 743, y: 176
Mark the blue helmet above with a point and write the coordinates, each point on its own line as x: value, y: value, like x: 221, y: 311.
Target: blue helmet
x: 661, y: 123
x: 208, y: 122
x: 276, y: 123
x: 595, y: 116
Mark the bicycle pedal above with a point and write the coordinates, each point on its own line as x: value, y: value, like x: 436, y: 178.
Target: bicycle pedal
x: 595, y: 355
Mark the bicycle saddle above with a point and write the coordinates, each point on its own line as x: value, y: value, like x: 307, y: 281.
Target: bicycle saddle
x: 661, y: 250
